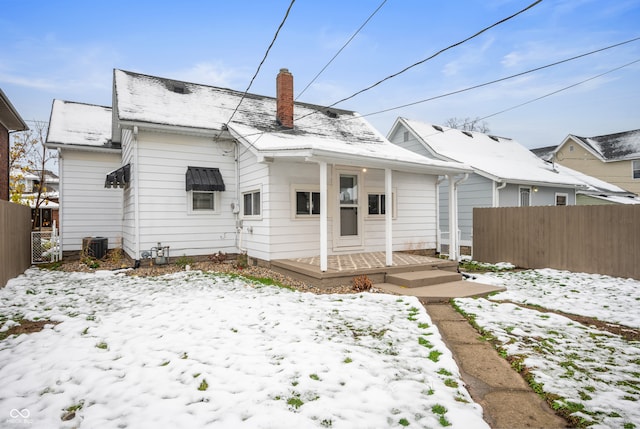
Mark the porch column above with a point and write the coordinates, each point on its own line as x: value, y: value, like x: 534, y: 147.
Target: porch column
x: 323, y: 216
x: 388, y: 216
x: 453, y: 219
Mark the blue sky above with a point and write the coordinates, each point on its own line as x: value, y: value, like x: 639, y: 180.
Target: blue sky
x: 68, y: 49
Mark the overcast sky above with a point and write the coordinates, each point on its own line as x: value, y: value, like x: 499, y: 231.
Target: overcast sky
x: 68, y: 50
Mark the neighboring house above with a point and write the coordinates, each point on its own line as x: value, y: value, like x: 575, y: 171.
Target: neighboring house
x: 506, y: 174
x: 598, y: 191
x: 206, y: 169
x: 29, y: 183
x: 614, y: 158
x: 10, y: 121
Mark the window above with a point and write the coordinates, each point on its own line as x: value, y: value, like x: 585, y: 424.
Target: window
x: 251, y: 203
x: 307, y: 203
x: 405, y: 136
x: 561, y: 199
x: 636, y: 169
x: 202, y: 201
x: 377, y: 204
x: 570, y: 148
x: 525, y: 197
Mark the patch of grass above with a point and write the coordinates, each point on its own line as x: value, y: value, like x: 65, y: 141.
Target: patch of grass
x: 295, y: 402
x: 423, y: 325
x: 314, y: 377
x: 102, y: 345
x: 443, y: 371
x: 203, y: 385
x: 434, y: 355
x: 439, y: 409
x: 450, y: 382
x: 404, y: 422
x: 165, y: 363
x: 425, y: 343
x: 347, y: 360
x: 443, y: 421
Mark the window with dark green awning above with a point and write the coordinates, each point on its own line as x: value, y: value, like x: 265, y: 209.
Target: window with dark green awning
x: 204, y: 179
x: 118, y: 178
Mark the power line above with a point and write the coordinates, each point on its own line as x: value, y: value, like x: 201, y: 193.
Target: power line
x: 502, y: 79
x: 560, y: 90
x: 437, y: 53
x: 461, y: 90
x: 341, y: 49
x: 286, y: 15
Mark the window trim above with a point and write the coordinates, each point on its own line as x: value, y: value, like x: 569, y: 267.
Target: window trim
x: 635, y: 167
x: 380, y: 191
x: 200, y: 212
x: 566, y: 199
x: 520, y: 188
x: 252, y: 191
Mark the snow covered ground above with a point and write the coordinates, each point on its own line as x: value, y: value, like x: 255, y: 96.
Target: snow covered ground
x: 595, y: 374
x: 199, y: 350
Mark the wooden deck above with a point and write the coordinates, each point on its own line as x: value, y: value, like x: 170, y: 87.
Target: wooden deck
x: 341, y: 269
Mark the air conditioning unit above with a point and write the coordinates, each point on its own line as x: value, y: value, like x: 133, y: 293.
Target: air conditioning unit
x: 95, y: 247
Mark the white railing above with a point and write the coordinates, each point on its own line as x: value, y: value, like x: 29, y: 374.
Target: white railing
x: 45, y: 246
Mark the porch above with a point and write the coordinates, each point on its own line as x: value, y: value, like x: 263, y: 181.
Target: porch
x: 426, y: 277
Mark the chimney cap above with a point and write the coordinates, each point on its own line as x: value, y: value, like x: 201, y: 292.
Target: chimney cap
x: 284, y: 70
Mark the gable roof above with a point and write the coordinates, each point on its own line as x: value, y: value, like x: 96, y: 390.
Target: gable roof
x: 333, y: 135
x: 498, y: 158
x: 611, y: 147
x: 81, y: 126
x: 544, y: 153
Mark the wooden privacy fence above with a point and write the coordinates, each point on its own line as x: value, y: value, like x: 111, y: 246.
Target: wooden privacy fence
x: 592, y: 239
x: 15, y: 244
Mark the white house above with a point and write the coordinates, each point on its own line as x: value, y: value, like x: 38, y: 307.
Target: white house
x: 81, y: 133
x: 207, y: 169
x: 506, y: 174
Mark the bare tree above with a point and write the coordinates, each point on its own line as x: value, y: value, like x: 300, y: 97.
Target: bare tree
x: 468, y: 124
x: 28, y: 155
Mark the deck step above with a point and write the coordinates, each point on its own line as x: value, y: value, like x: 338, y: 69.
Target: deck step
x: 422, y: 278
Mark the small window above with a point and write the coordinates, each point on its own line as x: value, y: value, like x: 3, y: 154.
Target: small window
x: 377, y: 204
x: 251, y: 203
x: 636, y: 169
x: 561, y: 199
x: 570, y: 148
x: 203, y: 201
x: 406, y: 136
x: 307, y: 203
x: 525, y: 197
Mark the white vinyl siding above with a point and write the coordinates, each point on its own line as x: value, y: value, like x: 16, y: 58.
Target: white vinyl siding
x: 88, y: 209
x: 163, y: 200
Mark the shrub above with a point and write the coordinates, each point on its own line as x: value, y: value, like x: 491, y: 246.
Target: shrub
x: 362, y: 283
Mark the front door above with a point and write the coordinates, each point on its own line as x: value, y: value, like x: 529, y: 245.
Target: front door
x: 349, y: 228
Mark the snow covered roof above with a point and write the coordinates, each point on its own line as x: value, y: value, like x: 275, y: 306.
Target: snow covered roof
x: 78, y: 124
x: 612, y: 147
x: 544, y: 153
x: 501, y: 159
x: 318, y: 132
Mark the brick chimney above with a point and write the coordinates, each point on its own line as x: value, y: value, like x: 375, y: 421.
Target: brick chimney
x: 284, y: 98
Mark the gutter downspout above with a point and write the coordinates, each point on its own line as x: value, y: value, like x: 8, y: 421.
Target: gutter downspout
x: 496, y: 194
x: 236, y: 205
x: 453, y: 217
x: 136, y: 192
x: 438, y: 230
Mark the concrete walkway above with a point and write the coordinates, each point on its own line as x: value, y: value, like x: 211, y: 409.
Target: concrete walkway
x: 507, y: 400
